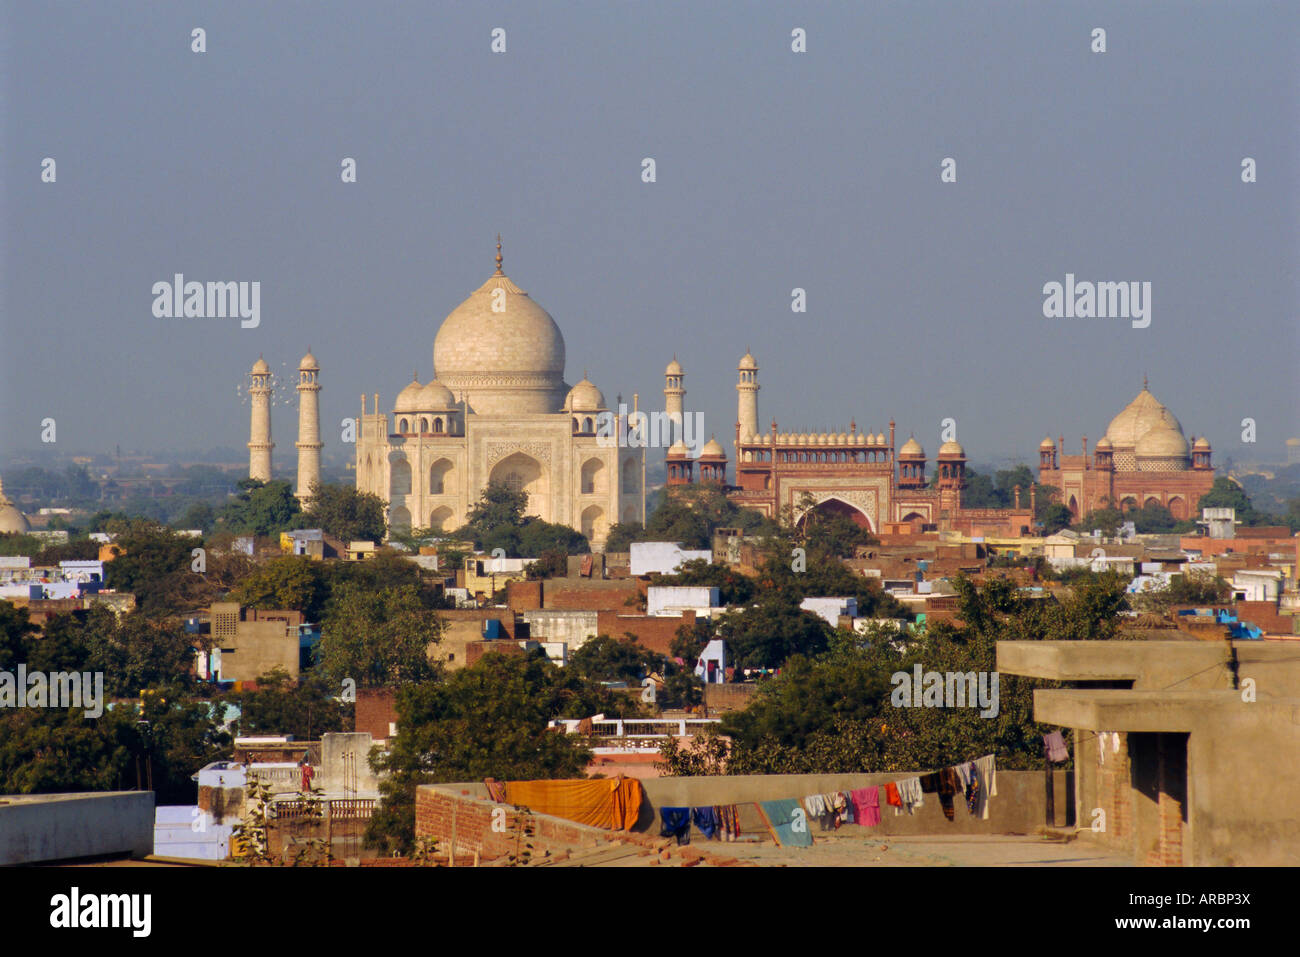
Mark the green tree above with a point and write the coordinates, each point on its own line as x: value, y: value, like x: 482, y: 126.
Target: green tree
x: 834, y: 712
x: 488, y: 720
x: 613, y: 659
x: 45, y: 750
x: 261, y: 508
x: 766, y: 635
x: 552, y: 563
x: 1107, y: 519
x: 621, y: 536
x: 690, y: 514
x: 1054, y: 518
x: 305, y: 709
x: 499, y: 505
x: 345, y: 513
x: 156, y: 565
x: 1225, y: 493
x: 199, y: 515
x: 287, y: 581
x: 733, y: 587
x: 16, y: 634
x: 497, y: 520
x: 181, y: 737
x: 379, y: 639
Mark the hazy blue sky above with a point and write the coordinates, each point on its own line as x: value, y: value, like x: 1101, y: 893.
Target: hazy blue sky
x: 775, y: 170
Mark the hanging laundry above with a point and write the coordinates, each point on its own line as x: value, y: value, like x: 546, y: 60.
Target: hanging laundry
x: 866, y: 806
x: 706, y: 821
x: 1054, y: 747
x: 973, y: 792
x: 949, y: 786
x: 496, y: 790
x: 892, y: 797
x: 613, y: 803
x: 788, y: 822
x: 729, y: 814
x: 840, y: 807
x: 929, y: 782
x: 986, y: 769
x: 814, y: 805
x: 833, y: 805
x: 964, y: 771
x: 676, y: 823
x: 909, y: 789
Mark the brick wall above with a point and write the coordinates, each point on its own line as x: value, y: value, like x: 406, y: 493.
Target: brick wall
x: 654, y: 633
x: 732, y: 697
x: 468, y: 822
x: 524, y: 596
x: 1171, y: 752
x: 375, y: 710
x: 580, y: 594
x: 1114, y: 795
x: 475, y: 650
x: 1169, y: 850
x: 1264, y: 614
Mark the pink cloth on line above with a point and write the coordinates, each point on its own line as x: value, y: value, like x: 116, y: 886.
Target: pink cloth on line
x: 866, y: 806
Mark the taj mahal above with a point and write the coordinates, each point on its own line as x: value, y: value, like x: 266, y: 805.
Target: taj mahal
x: 497, y: 409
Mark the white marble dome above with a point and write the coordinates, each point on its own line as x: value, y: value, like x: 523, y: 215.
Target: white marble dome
x: 584, y: 397
x: 505, y: 361
x: 11, y: 519
x: 436, y: 397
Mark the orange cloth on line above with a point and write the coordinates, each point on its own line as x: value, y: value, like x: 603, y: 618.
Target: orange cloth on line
x: 611, y: 803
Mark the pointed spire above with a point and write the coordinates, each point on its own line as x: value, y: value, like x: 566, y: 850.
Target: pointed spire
x: 499, y: 272
x: 1144, y: 382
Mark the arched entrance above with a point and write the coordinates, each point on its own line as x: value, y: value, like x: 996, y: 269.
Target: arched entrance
x: 835, y: 508
x: 524, y: 473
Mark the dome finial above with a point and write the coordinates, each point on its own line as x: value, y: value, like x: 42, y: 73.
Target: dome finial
x: 499, y: 272
x: 1144, y: 380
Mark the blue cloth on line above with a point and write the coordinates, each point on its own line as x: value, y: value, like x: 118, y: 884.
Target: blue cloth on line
x: 706, y: 819
x: 790, y: 822
x: 676, y: 823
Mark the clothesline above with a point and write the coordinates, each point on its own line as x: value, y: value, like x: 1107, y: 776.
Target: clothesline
x: 787, y: 819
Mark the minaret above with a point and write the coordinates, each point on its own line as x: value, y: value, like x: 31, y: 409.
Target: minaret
x: 259, y: 438
x: 747, y: 398
x: 309, y: 443
x: 674, y: 393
